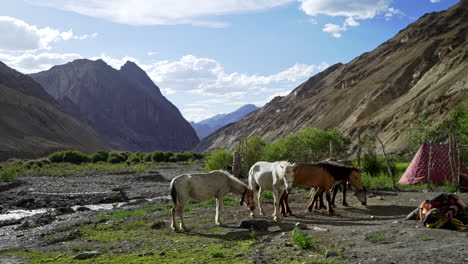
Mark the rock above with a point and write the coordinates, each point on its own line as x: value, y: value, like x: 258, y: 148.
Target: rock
x: 300, y: 226
x: 162, y: 253
x: 146, y: 254
x: 64, y: 210
x: 396, y: 222
x: 159, y: 225
x: 316, y: 228
x: 10, y: 222
x: 379, y: 198
x: 87, y: 255
x: 372, y: 217
x: 287, y: 244
x: 238, y: 255
x: 329, y: 254
x: 274, y: 229
x: 82, y: 209
x: 258, y: 225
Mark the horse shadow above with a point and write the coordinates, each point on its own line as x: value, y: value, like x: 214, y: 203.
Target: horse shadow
x: 383, y: 210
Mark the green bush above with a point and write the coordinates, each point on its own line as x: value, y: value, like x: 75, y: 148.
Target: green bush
x: 125, y: 154
x: 147, y: 157
x: 75, y: 157
x: 220, y: 159
x: 251, y: 152
x: 100, y: 155
x: 8, y: 174
x: 116, y: 157
x: 183, y: 156
x: 159, y: 156
x: 56, y: 157
x: 133, y: 159
x: 372, y: 165
x: 302, y: 240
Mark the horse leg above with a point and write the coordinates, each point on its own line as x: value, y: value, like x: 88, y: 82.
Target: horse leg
x: 330, y: 208
x: 314, y: 199
x: 219, y: 204
x: 344, y: 194
x: 173, y: 218
x: 259, y: 197
x: 180, y: 212
x: 320, y: 204
x: 335, y: 191
x: 276, y: 203
x: 282, y: 205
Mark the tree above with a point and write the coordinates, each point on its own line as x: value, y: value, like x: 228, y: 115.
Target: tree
x: 219, y: 160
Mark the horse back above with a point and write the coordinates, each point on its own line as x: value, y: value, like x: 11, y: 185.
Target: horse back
x: 312, y: 175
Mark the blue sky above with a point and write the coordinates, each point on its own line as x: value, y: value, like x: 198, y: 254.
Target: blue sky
x: 207, y: 56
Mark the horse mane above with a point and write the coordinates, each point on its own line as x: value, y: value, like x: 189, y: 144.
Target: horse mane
x: 338, y: 172
x: 231, y: 177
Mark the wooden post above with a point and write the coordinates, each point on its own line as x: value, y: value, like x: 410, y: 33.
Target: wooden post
x: 458, y: 178
x: 359, y: 152
x: 237, y: 160
x: 451, y: 156
x: 331, y: 150
x: 429, y: 168
x: 386, y: 162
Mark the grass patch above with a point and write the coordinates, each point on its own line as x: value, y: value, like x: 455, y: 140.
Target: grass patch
x: 302, y: 240
x: 267, y: 195
x: 376, y: 237
x: 425, y: 239
x: 217, y: 254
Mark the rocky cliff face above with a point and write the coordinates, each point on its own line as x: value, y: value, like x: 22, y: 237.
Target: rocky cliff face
x: 210, y: 125
x: 424, y: 68
x: 124, y: 106
x: 31, y: 124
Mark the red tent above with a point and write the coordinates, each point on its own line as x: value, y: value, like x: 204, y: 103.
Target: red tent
x: 417, y: 171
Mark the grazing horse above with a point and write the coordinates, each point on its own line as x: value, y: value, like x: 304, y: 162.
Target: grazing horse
x: 323, y: 176
x: 204, y: 186
x: 275, y: 176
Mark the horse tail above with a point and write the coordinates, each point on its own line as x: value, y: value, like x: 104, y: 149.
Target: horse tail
x: 175, y: 198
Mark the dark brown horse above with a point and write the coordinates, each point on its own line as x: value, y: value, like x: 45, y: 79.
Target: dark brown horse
x: 323, y: 176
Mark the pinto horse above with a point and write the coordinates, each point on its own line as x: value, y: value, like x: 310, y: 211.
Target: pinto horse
x: 275, y: 176
x: 323, y: 176
x: 204, y: 186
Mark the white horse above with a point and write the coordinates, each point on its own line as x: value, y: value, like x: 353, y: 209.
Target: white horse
x: 275, y: 176
x: 204, y: 186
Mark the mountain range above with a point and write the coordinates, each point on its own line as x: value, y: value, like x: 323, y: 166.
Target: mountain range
x: 206, y: 127
x: 422, y: 69
x: 123, y: 106
x: 32, y: 124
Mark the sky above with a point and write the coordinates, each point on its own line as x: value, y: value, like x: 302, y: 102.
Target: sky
x: 207, y: 56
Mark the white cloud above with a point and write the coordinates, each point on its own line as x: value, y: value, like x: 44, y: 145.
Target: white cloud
x: 207, y: 77
x: 152, y: 53
x: 362, y: 9
x: 393, y: 11
x: 17, y: 35
x: 30, y: 62
x: 114, y: 62
x: 162, y: 12
x: 334, y: 29
x: 435, y: 1
x: 197, y: 114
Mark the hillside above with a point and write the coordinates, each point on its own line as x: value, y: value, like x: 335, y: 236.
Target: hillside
x: 206, y: 127
x: 424, y: 68
x: 31, y: 125
x: 124, y: 106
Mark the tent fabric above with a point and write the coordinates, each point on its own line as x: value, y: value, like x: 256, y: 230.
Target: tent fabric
x: 417, y: 171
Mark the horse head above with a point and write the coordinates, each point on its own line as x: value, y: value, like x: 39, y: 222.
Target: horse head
x: 248, y: 199
x: 360, y: 191
x: 287, y: 170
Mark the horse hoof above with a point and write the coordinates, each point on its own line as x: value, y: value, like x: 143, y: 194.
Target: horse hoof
x: 276, y: 219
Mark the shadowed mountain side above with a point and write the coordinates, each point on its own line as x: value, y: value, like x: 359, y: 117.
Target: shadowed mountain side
x: 124, y: 106
x: 424, y: 68
x: 31, y: 125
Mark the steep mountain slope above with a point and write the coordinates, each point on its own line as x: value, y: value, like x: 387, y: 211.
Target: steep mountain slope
x: 31, y: 125
x: 424, y: 68
x: 210, y: 125
x: 124, y: 106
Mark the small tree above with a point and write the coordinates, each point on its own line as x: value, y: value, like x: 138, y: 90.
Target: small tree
x: 220, y: 159
x: 251, y: 152
x: 100, y: 155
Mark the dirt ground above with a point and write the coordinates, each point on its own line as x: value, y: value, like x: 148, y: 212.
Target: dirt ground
x: 375, y: 233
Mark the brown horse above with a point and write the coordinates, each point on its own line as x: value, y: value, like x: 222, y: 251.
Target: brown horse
x: 323, y: 176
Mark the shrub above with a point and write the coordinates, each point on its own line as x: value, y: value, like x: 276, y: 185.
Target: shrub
x: 100, y: 155
x: 140, y: 155
x: 302, y: 240
x: 252, y: 150
x: 125, y: 154
x: 371, y: 165
x: 116, y: 157
x: 75, y: 157
x: 183, y: 156
x: 133, y: 159
x: 8, y: 174
x: 147, y: 157
x: 56, y: 157
x: 220, y: 159
x: 159, y: 156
